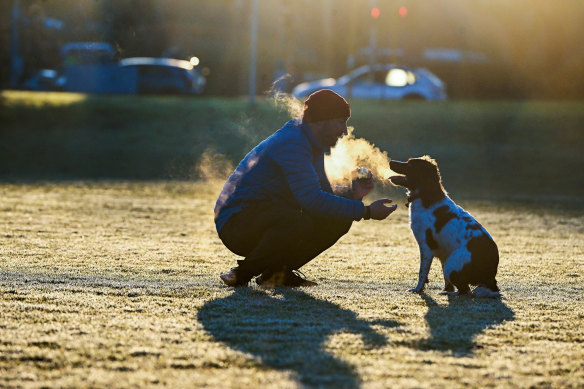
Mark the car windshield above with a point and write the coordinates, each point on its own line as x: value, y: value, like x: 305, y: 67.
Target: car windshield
x: 352, y: 75
x: 396, y: 77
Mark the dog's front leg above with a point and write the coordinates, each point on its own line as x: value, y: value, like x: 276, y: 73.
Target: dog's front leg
x: 448, y: 287
x: 426, y: 257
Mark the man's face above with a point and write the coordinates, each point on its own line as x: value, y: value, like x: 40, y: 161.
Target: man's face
x: 331, y: 131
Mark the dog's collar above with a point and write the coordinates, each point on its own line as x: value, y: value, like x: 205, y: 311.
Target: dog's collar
x: 412, y: 196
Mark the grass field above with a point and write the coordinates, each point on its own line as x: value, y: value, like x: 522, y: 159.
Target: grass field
x: 110, y: 283
x: 116, y: 285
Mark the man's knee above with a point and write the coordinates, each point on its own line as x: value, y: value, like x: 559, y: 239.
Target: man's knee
x: 333, y: 227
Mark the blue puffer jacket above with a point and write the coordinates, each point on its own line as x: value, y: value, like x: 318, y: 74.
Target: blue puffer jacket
x: 286, y: 168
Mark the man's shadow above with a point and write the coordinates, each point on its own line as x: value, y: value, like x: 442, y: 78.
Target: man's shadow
x: 455, y: 326
x: 287, y: 330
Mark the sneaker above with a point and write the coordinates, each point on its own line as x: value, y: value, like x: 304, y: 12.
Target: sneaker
x: 234, y: 278
x: 271, y: 279
x: 292, y: 278
x: 297, y: 278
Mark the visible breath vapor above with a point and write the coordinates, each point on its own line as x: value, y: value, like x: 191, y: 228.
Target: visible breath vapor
x: 284, y: 101
x: 213, y: 166
x: 350, y: 153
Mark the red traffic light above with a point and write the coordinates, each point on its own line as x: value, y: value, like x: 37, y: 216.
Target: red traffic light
x: 375, y: 12
x: 403, y: 11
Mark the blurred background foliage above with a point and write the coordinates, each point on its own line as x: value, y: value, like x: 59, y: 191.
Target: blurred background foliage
x: 514, y: 149
x: 528, y: 48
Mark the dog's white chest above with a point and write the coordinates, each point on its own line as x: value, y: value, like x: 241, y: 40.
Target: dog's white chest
x: 439, y: 228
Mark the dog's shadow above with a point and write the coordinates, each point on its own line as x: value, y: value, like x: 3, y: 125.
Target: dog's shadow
x: 455, y: 326
x: 287, y: 330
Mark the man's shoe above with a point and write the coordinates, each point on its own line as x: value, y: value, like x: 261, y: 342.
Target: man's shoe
x: 296, y: 278
x: 269, y: 279
x: 283, y: 278
x: 234, y: 277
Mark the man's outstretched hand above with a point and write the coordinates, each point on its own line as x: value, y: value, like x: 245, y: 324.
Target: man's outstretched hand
x: 379, y: 210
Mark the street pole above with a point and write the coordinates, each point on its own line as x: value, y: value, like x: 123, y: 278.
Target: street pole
x: 253, y: 51
x: 15, y: 59
x: 328, y: 35
x: 373, y: 37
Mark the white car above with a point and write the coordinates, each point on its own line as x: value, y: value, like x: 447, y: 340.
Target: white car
x: 381, y: 81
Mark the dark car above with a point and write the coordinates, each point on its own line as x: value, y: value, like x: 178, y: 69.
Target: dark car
x: 165, y: 76
x: 45, y: 80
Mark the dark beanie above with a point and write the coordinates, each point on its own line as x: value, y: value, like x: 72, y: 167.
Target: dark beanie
x: 325, y: 105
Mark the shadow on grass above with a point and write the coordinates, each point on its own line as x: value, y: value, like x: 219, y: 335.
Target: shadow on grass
x: 287, y: 330
x: 453, y: 327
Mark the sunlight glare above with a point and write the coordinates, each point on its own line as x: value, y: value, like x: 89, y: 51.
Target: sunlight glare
x: 397, y: 77
x: 42, y: 99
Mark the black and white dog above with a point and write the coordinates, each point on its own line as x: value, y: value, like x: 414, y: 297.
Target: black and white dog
x: 443, y: 229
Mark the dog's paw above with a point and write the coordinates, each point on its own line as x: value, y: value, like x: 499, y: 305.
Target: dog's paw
x: 416, y: 290
x: 449, y: 293
x: 484, y: 292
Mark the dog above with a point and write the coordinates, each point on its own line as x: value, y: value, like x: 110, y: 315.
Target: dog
x: 443, y: 229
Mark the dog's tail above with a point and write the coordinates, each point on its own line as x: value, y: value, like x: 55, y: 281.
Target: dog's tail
x: 485, y: 292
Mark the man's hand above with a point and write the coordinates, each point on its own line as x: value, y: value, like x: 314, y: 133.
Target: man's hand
x: 361, y: 187
x: 379, y: 211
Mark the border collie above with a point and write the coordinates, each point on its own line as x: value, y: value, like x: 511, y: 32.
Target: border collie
x: 443, y: 229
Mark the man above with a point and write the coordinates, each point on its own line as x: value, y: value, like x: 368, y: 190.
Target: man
x: 278, y: 209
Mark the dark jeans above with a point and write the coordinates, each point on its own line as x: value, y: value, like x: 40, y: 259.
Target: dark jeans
x: 274, y: 237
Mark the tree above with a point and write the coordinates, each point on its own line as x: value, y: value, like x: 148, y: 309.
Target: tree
x: 135, y: 27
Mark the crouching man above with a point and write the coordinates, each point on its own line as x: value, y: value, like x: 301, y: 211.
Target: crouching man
x: 278, y: 209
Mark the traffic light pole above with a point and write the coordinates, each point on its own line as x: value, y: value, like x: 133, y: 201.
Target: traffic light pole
x: 373, y: 37
x: 253, y: 51
x: 15, y: 59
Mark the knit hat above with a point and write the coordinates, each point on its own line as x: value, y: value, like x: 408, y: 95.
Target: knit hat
x: 325, y: 105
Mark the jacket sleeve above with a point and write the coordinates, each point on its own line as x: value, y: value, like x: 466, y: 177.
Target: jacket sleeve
x: 343, y: 191
x: 296, y: 164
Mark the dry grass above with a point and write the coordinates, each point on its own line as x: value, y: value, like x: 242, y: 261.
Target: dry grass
x: 116, y: 285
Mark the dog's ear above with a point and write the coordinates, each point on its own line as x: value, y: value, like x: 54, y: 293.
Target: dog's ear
x: 428, y: 169
x: 430, y: 183
x: 429, y: 159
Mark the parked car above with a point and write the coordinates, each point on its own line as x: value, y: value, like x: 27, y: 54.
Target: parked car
x: 91, y: 67
x: 88, y: 53
x: 165, y: 75
x: 382, y: 81
x: 45, y: 80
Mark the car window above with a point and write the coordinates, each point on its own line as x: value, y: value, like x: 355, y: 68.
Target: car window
x: 372, y: 76
x: 353, y: 75
x: 180, y: 74
x: 365, y: 77
x: 161, y: 71
x: 153, y: 71
x: 399, y: 77
x: 379, y: 76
